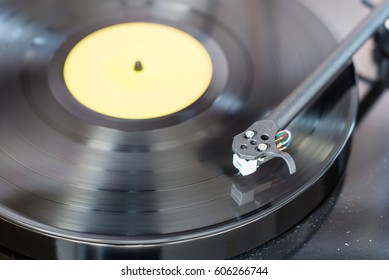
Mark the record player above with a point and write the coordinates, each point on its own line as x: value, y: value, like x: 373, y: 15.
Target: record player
x: 118, y: 118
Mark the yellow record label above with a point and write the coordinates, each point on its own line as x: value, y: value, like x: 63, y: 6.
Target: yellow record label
x: 138, y: 70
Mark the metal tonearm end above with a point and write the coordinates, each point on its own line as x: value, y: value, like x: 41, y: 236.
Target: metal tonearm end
x: 258, y: 145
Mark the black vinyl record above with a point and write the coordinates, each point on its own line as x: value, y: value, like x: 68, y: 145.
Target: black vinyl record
x: 76, y: 184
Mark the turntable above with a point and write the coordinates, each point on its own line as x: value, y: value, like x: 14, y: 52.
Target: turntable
x: 117, y: 120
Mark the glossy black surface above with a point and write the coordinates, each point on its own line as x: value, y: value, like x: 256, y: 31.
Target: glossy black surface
x: 76, y: 184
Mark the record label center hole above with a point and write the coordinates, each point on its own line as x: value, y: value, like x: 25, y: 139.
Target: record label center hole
x: 138, y: 67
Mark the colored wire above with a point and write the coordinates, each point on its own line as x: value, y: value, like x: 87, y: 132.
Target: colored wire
x: 283, y: 139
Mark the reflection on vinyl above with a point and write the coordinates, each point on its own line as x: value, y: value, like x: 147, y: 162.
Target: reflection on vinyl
x: 117, y: 119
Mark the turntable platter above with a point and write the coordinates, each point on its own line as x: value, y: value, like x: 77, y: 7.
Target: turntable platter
x: 78, y: 183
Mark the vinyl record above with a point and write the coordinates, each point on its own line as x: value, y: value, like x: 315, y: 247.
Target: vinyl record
x: 77, y: 183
